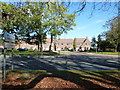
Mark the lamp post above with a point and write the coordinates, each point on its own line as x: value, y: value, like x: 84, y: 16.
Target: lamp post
x: 96, y: 47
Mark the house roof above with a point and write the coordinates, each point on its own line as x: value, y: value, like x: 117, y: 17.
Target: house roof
x: 65, y: 40
x: 78, y: 40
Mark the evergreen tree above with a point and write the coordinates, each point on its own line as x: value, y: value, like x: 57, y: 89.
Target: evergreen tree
x: 99, y: 42
x: 74, y: 44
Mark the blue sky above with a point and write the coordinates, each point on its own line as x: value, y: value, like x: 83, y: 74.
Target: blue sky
x: 87, y: 26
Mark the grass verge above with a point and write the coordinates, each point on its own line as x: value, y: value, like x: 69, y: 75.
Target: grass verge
x: 31, y: 53
x: 111, y: 53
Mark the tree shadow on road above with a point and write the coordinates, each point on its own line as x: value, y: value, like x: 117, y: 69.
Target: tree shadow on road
x: 86, y: 81
x: 32, y: 62
x: 28, y: 62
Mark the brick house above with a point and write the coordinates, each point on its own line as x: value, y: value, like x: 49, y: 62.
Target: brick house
x: 81, y: 44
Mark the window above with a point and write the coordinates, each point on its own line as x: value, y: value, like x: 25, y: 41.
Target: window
x: 68, y: 43
x: 87, y: 48
x: 61, y: 43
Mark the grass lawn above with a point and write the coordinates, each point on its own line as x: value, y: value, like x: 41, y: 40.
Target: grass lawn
x: 31, y: 53
x: 84, y: 79
x: 112, y: 53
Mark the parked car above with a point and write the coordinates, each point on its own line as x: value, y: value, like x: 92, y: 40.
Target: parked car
x: 22, y: 49
x: 1, y: 50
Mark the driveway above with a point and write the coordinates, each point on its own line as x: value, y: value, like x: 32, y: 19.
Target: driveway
x: 70, y: 61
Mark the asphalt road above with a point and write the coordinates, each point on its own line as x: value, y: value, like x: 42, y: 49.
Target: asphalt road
x: 69, y: 61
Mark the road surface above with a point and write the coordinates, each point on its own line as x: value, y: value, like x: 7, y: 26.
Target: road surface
x: 69, y: 61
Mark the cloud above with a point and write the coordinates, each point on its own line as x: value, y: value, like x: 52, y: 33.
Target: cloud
x: 89, y: 24
x: 99, y: 21
x: 79, y: 28
x: 82, y: 28
x: 90, y: 38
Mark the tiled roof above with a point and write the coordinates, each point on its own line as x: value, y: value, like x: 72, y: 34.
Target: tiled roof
x: 65, y: 40
x: 80, y: 40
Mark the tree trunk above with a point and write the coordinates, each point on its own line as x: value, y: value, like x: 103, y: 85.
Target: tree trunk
x: 51, y: 43
x: 116, y: 48
x: 19, y: 45
x: 38, y: 45
x: 41, y: 47
x: 55, y: 44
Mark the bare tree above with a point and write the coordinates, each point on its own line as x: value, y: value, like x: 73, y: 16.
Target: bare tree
x: 104, y: 5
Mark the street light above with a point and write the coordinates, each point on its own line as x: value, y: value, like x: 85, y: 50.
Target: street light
x: 96, y: 47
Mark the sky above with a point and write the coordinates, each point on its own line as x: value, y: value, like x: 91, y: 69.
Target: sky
x: 90, y: 26
x: 87, y: 25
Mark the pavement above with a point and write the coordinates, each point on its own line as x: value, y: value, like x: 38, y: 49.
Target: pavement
x: 96, y: 54
x: 66, y: 61
x: 87, y: 53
